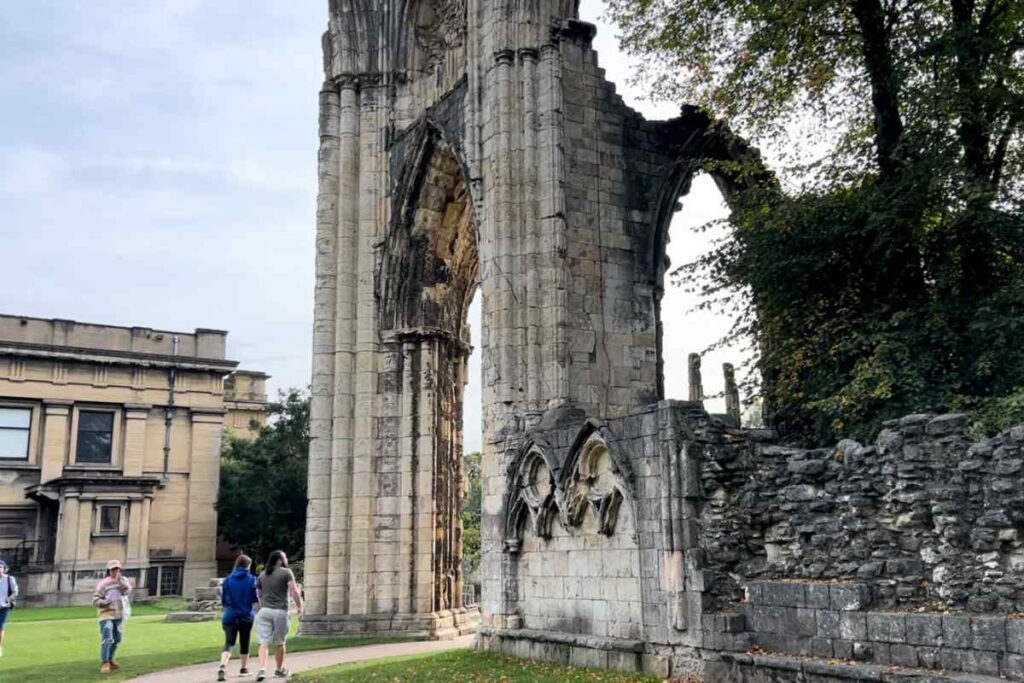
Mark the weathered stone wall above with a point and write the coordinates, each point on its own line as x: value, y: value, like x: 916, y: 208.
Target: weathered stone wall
x: 925, y: 516
x: 582, y: 581
x: 837, y: 621
x: 842, y: 553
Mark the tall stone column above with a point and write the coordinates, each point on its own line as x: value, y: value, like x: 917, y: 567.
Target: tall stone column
x: 318, y: 513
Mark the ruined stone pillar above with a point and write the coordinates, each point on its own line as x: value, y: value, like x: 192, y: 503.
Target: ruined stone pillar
x: 696, y: 383
x: 732, y: 393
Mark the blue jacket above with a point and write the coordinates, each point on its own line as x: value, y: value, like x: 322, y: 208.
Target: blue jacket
x: 238, y: 595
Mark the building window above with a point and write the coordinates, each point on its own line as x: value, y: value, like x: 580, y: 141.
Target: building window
x: 164, y: 580
x: 170, y: 581
x: 110, y: 519
x: 15, y: 427
x: 95, y: 437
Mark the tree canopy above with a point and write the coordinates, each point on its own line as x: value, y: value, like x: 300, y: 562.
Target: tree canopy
x: 471, y: 514
x: 261, y: 505
x: 887, y: 275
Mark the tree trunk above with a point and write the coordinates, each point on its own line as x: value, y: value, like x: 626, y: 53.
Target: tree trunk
x: 884, y: 85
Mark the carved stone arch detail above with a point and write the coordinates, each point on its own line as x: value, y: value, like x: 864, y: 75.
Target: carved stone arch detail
x: 350, y: 42
x: 431, y: 265
x: 700, y: 143
x: 533, y: 20
x: 530, y: 499
x: 429, y: 34
x: 594, y: 477
x: 590, y: 428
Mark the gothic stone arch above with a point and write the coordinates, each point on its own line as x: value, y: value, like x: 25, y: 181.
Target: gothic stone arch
x: 476, y: 143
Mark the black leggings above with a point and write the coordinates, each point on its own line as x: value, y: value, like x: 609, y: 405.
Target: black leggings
x: 239, y: 627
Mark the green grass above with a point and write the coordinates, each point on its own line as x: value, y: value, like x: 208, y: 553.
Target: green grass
x: 52, y: 647
x: 464, y: 665
x: 160, y: 606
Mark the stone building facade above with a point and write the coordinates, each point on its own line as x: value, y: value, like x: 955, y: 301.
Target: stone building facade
x: 475, y: 144
x: 245, y: 403
x: 109, y: 448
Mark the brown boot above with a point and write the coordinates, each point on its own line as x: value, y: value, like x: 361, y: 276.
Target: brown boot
x: 105, y: 669
x: 114, y: 666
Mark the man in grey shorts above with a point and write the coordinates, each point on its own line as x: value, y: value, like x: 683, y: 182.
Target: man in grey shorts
x: 272, y: 624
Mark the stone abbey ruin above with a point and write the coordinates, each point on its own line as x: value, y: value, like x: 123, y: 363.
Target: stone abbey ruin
x: 476, y: 143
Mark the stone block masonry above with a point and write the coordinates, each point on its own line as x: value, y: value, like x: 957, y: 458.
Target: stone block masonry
x: 470, y: 145
x: 702, y: 504
x: 925, y: 517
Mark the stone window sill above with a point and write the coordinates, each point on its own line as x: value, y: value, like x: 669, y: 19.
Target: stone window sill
x: 18, y: 465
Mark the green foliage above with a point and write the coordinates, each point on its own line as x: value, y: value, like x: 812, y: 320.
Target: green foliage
x: 850, y: 334
x: 471, y: 511
x: 886, y: 277
x: 261, y: 506
x: 998, y: 413
x: 465, y: 665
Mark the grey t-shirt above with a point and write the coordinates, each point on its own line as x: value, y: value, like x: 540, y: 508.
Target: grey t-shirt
x: 274, y: 588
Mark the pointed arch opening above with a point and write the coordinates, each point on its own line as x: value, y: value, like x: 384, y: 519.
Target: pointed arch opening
x: 694, y: 225
x: 425, y: 285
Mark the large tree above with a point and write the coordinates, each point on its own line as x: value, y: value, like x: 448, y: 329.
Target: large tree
x: 888, y: 275
x: 471, y: 514
x: 261, y: 505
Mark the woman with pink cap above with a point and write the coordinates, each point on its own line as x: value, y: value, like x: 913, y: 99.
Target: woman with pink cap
x: 109, y: 601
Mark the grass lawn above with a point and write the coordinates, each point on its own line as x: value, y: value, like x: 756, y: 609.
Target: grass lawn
x: 161, y: 606
x: 46, y: 645
x: 464, y: 665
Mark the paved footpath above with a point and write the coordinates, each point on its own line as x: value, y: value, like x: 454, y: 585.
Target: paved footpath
x: 304, y: 661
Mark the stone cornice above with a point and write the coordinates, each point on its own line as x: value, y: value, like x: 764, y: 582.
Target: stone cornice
x: 48, y: 352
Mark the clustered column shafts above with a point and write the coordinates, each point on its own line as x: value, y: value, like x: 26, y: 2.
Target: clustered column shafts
x: 344, y: 471
x: 553, y: 225
x: 319, y: 514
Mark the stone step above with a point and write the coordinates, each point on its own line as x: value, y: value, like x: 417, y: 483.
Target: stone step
x: 214, y: 583
x: 207, y: 594
x: 751, y: 668
x: 190, y: 617
x: 204, y: 605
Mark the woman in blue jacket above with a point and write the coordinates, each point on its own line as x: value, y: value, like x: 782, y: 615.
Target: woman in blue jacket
x: 238, y: 595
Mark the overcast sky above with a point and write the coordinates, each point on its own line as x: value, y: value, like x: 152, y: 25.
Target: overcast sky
x: 158, y: 168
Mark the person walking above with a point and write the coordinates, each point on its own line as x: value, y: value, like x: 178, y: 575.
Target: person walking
x: 238, y: 596
x: 109, y: 602
x: 8, y: 595
x: 272, y: 623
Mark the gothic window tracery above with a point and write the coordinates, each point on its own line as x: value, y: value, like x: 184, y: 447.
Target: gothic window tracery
x: 594, y: 483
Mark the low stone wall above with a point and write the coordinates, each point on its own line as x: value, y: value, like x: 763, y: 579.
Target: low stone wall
x: 754, y: 668
x: 924, y: 516
x: 441, y: 625
x: 566, y: 648
x: 905, y: 553
x: 834, y: 621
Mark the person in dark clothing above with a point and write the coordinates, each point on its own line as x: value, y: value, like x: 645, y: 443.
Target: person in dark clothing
x: 8, y: 595
x: 238, y: 595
